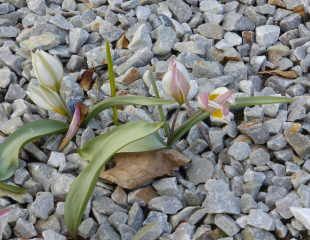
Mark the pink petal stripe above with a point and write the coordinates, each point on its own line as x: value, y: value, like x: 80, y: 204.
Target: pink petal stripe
x: 221, y: 99
x: 4, y: 212
x: 80, y: 112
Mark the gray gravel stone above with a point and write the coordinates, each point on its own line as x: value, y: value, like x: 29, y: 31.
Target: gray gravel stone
x: 166, y: 38
x: 259, y: 219
x: 106, y: 206
x: 43, y: 205
x: 167, y: 186
x: 151, y: 231
x: 61, y: 185
x: 8, y: 32
x: 52, y: 235
x: 220, y: 199
x: 106, y: 232
x: 141, y: 38
x: 180, y: 9
x: 250, y: 233
x: 239, y: 151
x: 200, y: 169
x: 77, y: 37
x: 211, y: 30
x: 283, y: 205
x: 24, y: 229
x: 267, y: 35
x: 87, y: 228
x: 226, y: 224
x: 160, y: 218
x: 135, y: 216
x: 166, y: 204
x: 6, y: 77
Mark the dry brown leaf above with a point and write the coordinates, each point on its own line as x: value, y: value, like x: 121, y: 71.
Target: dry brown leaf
x: 290, y: 74
x: 300, y: 10
x: 130, y: 76
x: 278, y: 3
x: 86, y: 79
x: 122, y: 42
x: 133, y: 170
x: 143, y: 195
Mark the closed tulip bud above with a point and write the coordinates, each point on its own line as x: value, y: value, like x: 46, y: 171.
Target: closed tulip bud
x: 48, y: 69
x: 217, y: 103
x: 176, y: 81
x: 46, y: 98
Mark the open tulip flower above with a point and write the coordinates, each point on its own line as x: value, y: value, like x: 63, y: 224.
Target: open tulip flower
x: 217, y: 103
x: 46, y: 98
x: 176, y: 81
x: 48, y: 69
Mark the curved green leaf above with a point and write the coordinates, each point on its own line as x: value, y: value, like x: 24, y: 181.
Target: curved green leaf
x: 259, y: 100
x: 148, y: 143
x: 9, y: 149
x: 98, y: 151
x: 124, y: 100
x: 240, y: 102
x: 12, y: 188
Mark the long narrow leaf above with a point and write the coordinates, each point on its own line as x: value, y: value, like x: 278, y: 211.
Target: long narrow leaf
x: 9, y: 149
x: 124, y: 100
x: 240, y: 102
x: 111, y: 79
x: 12, y: 188
x: 98, y: 151
x: 259, y: 100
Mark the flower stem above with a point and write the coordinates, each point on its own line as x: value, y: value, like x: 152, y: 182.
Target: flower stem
x: 160, y: 108
x: 175, y: 117
x: 112, y: 80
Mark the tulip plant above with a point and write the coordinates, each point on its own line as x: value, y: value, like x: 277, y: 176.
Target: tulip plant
x: 129, y: 137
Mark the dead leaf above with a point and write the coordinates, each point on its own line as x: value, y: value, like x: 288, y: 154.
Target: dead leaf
x: 133, y: 170
x: 86, y: 79
x: 290, y: 74
x: 122, y: 42
x: 230, y: 58
x: 248, y: 36
x: 130, y: 76
x: 278, y: 3
x: 143, y: 195
x: 299, y: 10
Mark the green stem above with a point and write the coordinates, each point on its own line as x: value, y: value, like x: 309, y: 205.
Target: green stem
x: 173, y: 124
x: 12, y: 188
x: 159, y: 107
x: 112, y: 80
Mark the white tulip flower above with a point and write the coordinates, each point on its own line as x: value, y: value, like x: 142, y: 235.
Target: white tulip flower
x: 176, y: 81
x: 46, y: 98
x: 48, y: 69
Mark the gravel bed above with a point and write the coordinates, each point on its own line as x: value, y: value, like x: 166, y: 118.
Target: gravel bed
x: 249, y: 181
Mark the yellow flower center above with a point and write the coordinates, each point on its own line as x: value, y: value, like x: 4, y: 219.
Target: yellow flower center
x: 213, y: 96
x: 218, y: 113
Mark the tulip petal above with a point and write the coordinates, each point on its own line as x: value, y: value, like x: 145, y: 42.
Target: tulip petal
x: 4, y: 212
x: 48, y: 69
x: 225, y: 97
x: 46, y: 98
x: 79, y: 115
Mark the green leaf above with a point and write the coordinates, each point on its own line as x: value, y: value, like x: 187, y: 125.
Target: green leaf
x: 259, y: 100
x: 148, y: 143
x: 98, y: 151
x: 12, y: 188
x: 111, y: 80
x: 124, y: 100
x: 240, y: 102
x: 9, y: 149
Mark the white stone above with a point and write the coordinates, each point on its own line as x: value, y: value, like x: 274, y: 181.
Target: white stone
x: 302, y: 215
